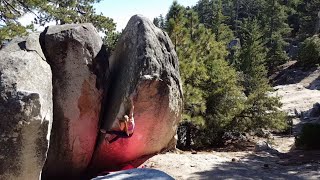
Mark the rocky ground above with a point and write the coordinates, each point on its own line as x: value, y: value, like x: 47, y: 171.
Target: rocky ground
x: 299, y: 91
x: 241, y: 165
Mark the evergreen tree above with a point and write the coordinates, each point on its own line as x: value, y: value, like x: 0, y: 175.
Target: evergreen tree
x: 309, y: 17
x: 192, y: 69
x: 211, y: 15
x: 225, y: 99
x: 276, y: 29
x: 10, y: 12
x: 293, y: 16
x: 221, y: 30
x: 176, y: 20
x: 261, y: 111
x: 61, y: 12
x: 204, y: 8
x: 210, y: 85
x: 159, y: 22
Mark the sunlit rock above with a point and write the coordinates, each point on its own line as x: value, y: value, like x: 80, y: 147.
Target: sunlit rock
x: 25, y: 108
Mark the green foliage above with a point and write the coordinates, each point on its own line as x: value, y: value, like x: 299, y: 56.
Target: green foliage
x: 110, y: 39
x: 61, y: 12
x: 276, y: 29
x: 220, y: 97
x: 192, y: 68
x: 261, y: 111
x: 308, y: 16
x: 159, y: 22
x: 10, y: 11
x: 252, y: 57
x: 12, y: 29
x: 309, y: 137
x: 213, y: 96
x: 212, y: 16
x: 224, y: 17
x: 225, y: 100
x: 200, y: 70
x: 205, y: 10
x: 309, y: 54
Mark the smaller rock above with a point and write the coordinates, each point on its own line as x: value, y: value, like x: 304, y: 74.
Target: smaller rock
x: 263, y: 133
x: 141, y: 173
x: 263, y: 146
x: 315, y: 111
x: 234, y: 136
x: 193, y: 152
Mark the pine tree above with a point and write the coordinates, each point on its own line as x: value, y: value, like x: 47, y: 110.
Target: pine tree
x: 182, y: 31
x: 204, y: 8
x: 10, y: 12
x: 211, y: 15
x: 262, y: 111
x: 225, y: 99
x: 176, y: 20
x: 221, y: 30
x: 309, y: 17
x: 159, y: 22
x: 61, y: 12
x: 211, y: 89
x: 220, y: 97
x: 276, y: 29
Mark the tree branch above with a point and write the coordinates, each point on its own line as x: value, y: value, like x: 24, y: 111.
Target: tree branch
x: 26, y: 7
x: 10, y: 5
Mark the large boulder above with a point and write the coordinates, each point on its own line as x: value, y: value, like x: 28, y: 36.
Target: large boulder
x: 79, y: 66
x: 25, y: 108
x: 144, y: 74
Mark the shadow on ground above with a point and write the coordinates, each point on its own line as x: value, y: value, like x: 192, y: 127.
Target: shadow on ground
x: 292, y: 73
x: 315, y: 85
x: 268, y: 166
x: 311, y: 115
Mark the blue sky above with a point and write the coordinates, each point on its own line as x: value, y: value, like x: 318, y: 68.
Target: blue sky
x: 121, y: 10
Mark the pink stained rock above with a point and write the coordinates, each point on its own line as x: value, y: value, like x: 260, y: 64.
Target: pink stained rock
x: 74, y: 54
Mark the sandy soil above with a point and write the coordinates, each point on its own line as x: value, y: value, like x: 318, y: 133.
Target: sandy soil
x: 239, y: 165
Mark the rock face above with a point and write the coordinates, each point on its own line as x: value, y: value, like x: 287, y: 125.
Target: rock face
x: 78, y: 61
x: 25, y: 108
x: 144, y: 70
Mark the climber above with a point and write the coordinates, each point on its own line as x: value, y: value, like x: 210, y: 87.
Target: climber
x: 125, y: 127
x: 130, y: 123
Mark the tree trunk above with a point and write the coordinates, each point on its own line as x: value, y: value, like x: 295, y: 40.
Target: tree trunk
x: 317, y: 26
x: 188, y: 135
